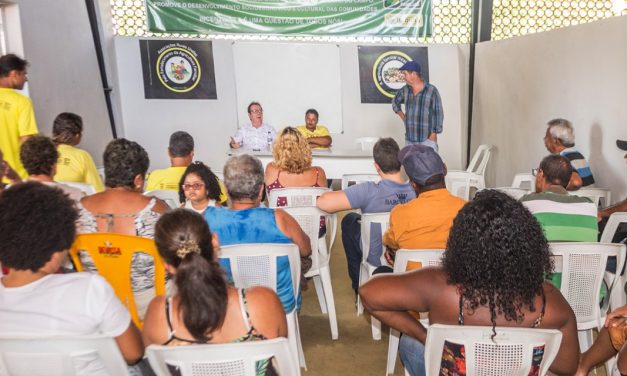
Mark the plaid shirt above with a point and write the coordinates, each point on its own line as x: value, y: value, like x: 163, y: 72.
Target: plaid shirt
x: 423, y: 112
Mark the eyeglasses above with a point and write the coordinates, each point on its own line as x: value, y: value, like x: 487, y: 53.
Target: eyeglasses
x: 257, y: 111
x: 195, y: 186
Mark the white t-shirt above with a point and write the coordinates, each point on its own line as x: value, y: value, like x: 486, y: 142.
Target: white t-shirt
x: 63, y: 304
x: 255, y: 139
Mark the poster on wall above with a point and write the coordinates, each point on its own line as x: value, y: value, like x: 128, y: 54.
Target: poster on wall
x: 403, y: 18
x: 379, y: 74
x: 178, y: 69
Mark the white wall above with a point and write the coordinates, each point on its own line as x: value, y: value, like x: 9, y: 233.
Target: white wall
x: 577, y: 73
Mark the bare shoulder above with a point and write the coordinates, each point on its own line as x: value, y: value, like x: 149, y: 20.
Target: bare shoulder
x: 161, y: 207
x: 262, y: 296
x: 557, y: 310
x: 266, y: 312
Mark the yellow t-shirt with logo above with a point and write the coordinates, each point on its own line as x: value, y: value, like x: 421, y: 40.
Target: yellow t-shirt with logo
x: 17, y: 119
x: 169, y: 179
x: 76, y: 165
x: 320, y: 131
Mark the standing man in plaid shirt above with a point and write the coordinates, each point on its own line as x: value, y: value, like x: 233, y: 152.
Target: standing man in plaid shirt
x: 423, y: 114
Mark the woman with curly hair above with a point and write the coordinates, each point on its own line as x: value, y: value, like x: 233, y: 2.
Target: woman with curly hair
x: 199, y: 187
x: 492, y: 274
x: 292, y: 164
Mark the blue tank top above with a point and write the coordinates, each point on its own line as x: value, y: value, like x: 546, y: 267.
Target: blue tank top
x: 255, y: 225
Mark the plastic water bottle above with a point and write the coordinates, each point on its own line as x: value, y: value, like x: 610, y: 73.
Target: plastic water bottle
x: 269, y: 140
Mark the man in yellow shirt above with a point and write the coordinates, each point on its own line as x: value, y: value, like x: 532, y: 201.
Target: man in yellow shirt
x: 317, y: 136
x: 17, y: 119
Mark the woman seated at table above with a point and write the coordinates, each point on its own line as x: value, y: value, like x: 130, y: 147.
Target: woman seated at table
x: 122, y: 209
x: 492, y: 274
x: 205, y: 309
x: 37, y: 227
x: 292, y: 165
x: 199, y: 187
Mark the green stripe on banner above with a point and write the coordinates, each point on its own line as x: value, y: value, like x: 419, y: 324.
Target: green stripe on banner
x: 404, y: 18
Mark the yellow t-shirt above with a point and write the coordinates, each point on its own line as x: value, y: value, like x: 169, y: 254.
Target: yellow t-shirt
x: 76, y: 165
x: 169, y: 179
x: 320, y: 131
x: 17, y: 119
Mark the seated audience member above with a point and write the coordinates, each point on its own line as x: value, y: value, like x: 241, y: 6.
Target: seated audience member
x: 246, y: 222
x: 317, y: 136
x: 560, y: 139
x: 610, y: 341
x: 369, y: 197
x: 74, y: 164
x: 605, y: 213
x: 204, y: 308
x: 292, y: 165
x: 6, y: 172
x: 199, y: 187
x: 492, y: 274
x: 36, y: 230
x: 39, y: 157
x: 255, y: 135
x: 424, y: 222
x: 181, y: 153
x: 121, y: 208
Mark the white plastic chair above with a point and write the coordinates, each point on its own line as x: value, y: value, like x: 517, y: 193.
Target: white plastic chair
x: 222, y: 359
x: 617, y: 299
x: 594, y: 194
x: 60, y: 356
x: 256, y: 265
x: 366, y: 269
x: 427, y: 257
x: 522, y: 179
x: 308, y: 217
x: 170, y: 197
x: 460, y: 182
x: 358, y: 178
x: 509, y: 353
x: 515, y: 193
x: 582, y: 265
x: 366, y: 143
x: 87, y: 189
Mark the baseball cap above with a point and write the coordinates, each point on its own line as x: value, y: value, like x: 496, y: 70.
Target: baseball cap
x: 421, y: 162
x: 411, y: 66
x: 622, y: 144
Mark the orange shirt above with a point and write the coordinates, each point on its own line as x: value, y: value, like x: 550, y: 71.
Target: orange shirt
x: 424, y: 222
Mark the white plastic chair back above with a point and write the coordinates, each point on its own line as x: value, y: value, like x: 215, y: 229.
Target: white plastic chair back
x: 233, y: 359
x: 612, y: 225
x: 170, y: 197
x: 618, y: 298
x: 255, y: 265
x: 523, y: 179
x: 358, y: 178
x: 427, y: 257
x: 366, y: 143
x: 87, y: 189
x: 480, y: 159
x: 459, y: 183
x: 61, y: 356
x: 515, y: 193
x: 594, y: 194
x: 300, y: 196
x: 509, y: 353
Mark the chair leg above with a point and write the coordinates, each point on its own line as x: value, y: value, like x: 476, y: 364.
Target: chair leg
x: 363, y: 278
x: 293, y: 336
x: 320, y: 293
x: 376, y: 328
x: 392, y: 350
x: 325, y: 276
x: 610, y: 365
x: 585, y: 339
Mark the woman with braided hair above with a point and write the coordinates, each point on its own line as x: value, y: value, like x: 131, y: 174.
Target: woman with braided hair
x: 205, y: 309
x: 493, y: 274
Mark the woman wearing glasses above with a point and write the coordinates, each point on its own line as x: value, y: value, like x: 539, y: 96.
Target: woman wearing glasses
x: 199, y: 188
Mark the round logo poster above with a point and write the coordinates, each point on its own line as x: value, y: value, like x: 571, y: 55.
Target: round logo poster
x: 177, y: 68
x: 386, y: 74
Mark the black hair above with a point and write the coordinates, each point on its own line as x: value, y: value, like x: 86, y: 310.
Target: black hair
x: 39, y: 155
x: 65, y: 127
x: 498, y: 254
x: 184, y: 241
x: 11, y: 62
x: 36, y: 221
x: 385, y: 153
x: 312, y: 111
x: 253, y: 104
x: 123, y: 161
x: 212, y: 186
x: 181, y: 144
x: 556, y: 169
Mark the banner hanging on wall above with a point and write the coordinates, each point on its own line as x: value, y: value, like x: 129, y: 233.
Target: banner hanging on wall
x: 403, y: 18
x: 379, y: 74
x: 178, y: 69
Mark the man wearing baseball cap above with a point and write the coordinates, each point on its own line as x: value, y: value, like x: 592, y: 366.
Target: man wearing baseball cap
x: 423, y: 113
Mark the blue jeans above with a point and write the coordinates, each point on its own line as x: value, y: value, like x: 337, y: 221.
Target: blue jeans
x: 412, y: 353
x: 351, y: 238
x: 427, y: 142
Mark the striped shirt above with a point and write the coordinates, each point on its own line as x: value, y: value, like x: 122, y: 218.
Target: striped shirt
x: 580, y: 165
x: 563, y: 217
x: 423, y: 111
